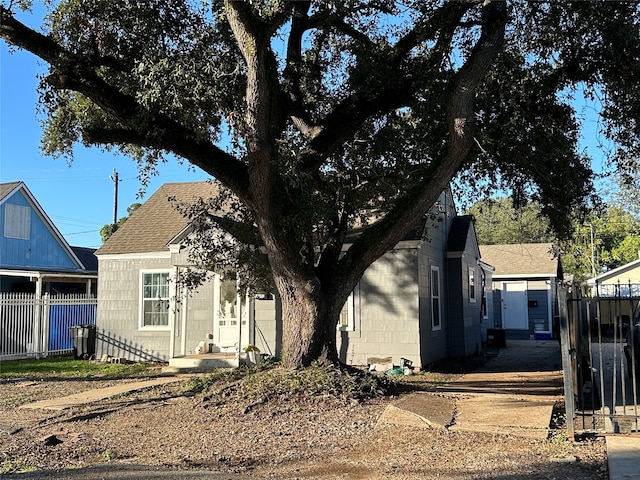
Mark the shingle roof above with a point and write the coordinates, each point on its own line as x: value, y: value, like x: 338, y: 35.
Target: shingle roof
x: 521, y: 259
x: 156, y: 222
x: 87, y: 257
x: 7, y: 188
x: 458, y: 233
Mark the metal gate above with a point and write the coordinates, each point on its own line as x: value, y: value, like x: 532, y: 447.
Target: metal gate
x: 600, y: 337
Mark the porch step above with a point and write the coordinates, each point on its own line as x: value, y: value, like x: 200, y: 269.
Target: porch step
x: 201, y: 363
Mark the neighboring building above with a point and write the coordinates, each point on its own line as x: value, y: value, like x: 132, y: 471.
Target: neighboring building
x: 422, y: 301
x: 623, y: 281
x: 34, y: 256
x: 524, y: 286
x: 618, y: 291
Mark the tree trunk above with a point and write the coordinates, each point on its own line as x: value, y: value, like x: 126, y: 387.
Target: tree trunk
x: 309, y: 321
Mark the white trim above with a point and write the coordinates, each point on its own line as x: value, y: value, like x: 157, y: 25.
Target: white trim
x: 156, y: 328
x: 45, y: 275
x: 173, y: 304
x: 435, y: 268
x: 471, y: 275
x: 517, y: 276
x: 613, y: 273
x: 164, y: 255
x: 184, y: 308
x: 351, y: 324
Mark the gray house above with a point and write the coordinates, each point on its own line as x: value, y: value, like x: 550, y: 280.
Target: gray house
x: 423, y: 301
x: 524, y: 287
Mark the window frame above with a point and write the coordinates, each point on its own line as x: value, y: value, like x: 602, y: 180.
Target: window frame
x: 142, y: 299
x: 472, y: 284
x: 348, y: 309
x: 17, y: 221
x: 436, y: 296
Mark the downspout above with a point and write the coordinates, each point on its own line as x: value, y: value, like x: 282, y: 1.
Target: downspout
x: 183, y: 319
x: 173, y: 305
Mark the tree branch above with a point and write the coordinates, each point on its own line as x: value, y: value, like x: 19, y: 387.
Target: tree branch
x: 348, y: 116
x: 410, y: 210
x: 153, y: 129
x: 17, y: 34
x: 292, y: 73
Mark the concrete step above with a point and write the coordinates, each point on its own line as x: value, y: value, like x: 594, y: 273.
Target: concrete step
x: 201, y: 363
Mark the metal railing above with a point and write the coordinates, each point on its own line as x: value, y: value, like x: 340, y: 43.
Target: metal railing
x: 599, y: 360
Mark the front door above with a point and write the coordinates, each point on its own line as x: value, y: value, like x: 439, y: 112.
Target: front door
x: 230, y: 316
x: 514, y: 305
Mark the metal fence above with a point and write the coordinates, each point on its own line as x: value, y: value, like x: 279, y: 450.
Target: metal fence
x: 599, y: 360
x: 32, y: 326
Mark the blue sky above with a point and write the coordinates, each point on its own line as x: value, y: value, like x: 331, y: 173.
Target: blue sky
x: 79, y: 198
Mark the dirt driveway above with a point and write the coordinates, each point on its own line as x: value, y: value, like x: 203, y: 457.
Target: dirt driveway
x: 227, y: 429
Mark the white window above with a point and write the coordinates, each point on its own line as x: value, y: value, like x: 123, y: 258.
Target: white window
x: 436, y: 323
x: 229, y: 310
x: 472, y: 285
x: 155, y: 300
x: 347, y: 316
x: 17, y: 221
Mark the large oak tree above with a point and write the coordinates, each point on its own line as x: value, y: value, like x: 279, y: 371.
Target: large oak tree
x: 318, y: 116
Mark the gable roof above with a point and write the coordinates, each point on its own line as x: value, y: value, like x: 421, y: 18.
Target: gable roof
x: 9, y: 189
x: 152, y: 226
x: 459, y: 232
x: 87, y: 257
x: 521, y: 259
x: 614, y: 273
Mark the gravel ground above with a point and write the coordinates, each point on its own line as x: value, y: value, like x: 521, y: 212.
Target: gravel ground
x: 230, y: 428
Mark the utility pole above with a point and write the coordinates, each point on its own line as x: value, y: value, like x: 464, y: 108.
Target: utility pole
x: 114, y: 177
x: 593, y: 251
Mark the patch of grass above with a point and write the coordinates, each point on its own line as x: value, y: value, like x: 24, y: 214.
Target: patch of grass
x: 203, y: 383
x: 15, y: 465
x: 14, y: 400
x: 315, y: 380
x: 71, y: 368
x: 108, y: 455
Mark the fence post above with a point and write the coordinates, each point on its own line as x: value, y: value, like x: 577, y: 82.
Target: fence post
x: 567, y: 363
x: 44, y: 313
x: 36, y: 339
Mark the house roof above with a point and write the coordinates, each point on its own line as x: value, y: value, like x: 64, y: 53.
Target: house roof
x: 87, y: 257
x: 521, y: 259
x: 152, y: 226
x: 612, y: 274
x: 459, y: 232
x: 8, y: 189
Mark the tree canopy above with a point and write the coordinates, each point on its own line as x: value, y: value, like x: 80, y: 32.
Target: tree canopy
x: 315, y: 117
x: 497, y: 221
x: 110, y: 228
x: 605, y: 238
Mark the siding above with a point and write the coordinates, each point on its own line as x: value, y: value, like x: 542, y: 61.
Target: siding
x: 42, y: 251
x: 538, y: 292
x: 268, y: 325
x: 386, y: 311
x: 118, y: 312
